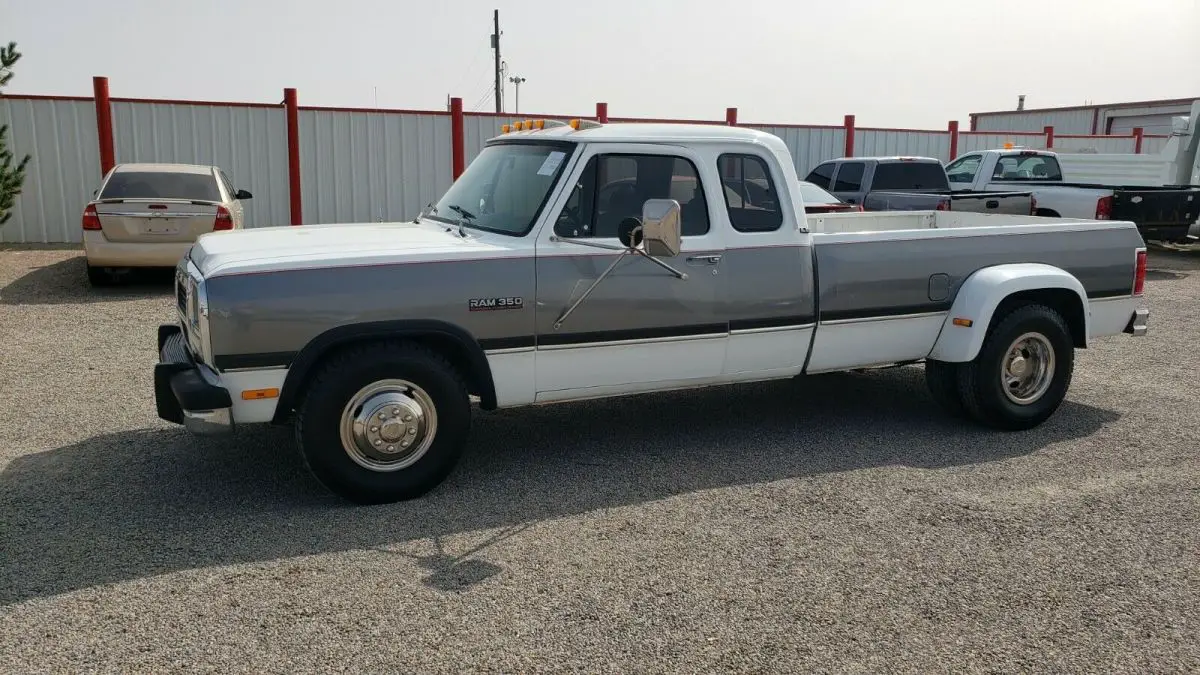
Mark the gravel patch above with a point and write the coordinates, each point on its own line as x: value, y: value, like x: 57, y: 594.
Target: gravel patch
x: 840, y: 523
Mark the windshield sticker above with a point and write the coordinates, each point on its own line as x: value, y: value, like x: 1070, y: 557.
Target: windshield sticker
x: 551, y: 164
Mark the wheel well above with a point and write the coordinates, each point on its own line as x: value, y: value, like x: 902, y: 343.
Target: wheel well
x: 1047, y: 213
x: 1062, y: 300
x: 471, y: 363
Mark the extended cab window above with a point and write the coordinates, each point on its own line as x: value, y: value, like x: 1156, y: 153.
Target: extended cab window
x: 849, y: 177
x: 963, y: 169
x: 1027, y: 167
x: 821, y: 175
x: 614, y: 187
x: 750, y: 196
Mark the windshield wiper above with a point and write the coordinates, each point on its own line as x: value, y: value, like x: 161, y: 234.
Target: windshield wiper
x: 429, y: 210
x: 465, y: 221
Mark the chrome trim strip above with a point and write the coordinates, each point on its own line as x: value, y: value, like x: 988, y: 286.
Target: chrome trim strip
x: 643, y: 341
x: 1114, y: 298
x: 152, y: 214
x: 772, y: 329
x: 508, y: 350
x: 254, y: 369
x: 893, y: 317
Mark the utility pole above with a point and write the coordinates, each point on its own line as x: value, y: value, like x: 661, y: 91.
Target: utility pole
x: 496, y: 49
x: 517, y: 81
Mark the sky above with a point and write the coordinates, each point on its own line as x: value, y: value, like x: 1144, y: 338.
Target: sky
x: 898, y: 63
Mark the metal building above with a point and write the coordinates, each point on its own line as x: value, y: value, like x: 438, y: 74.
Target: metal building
x: 1119, y: 119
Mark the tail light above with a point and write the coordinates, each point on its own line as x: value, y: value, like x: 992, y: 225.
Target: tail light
x: 1104, y: 208
x: 943, y: 205
x: 1032, y: 205
x: 224, y: 220
x: 1139, y: 273
x: 91, y: 220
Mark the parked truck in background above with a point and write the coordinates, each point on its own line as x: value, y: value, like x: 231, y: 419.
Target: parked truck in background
x: 584, y: 260
x: 1161, y: 212
x: 909, y: 184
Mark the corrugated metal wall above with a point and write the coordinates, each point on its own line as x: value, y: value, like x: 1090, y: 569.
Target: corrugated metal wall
x: 65, y: 168
x: 810, y: 146
x: 249, y: 143
x: 371, y: 166
x: 1152, y: 145
x: 888, y: 142
x: 976, y: 141
x: 1064, y: 121
x: 356, y: 165
x: 1095, y: 144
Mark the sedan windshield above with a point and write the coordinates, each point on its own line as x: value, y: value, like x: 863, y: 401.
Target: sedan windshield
x: 504, y: 188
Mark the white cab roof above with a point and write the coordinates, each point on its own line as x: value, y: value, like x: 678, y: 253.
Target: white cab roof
x: 650, y: 132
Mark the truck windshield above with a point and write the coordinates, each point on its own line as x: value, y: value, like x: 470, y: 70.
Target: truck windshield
x: 909, y: 176
x: 504, y: 188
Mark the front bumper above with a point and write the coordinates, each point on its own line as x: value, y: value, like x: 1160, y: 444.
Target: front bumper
x: 182, y: 394
x: 1139, y: 322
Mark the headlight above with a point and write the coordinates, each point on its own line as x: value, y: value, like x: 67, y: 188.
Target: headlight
x: 196, y: 315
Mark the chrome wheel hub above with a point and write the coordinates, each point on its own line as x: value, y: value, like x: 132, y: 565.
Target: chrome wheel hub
x: 388, y: 425
x: 1028, y: 368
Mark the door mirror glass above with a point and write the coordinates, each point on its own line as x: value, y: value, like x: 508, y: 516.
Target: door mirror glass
x: 661, y: 230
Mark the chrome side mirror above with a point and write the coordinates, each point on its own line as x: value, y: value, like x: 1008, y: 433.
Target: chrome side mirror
x: 661, y: 227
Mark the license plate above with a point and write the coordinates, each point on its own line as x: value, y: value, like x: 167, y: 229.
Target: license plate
x: 160, y: 228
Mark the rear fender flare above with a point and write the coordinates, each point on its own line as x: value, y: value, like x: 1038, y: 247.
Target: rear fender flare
x: 982, y: 293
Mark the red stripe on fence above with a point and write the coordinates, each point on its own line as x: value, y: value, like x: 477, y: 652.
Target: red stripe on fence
x: 848, y: 125
x: 104, y: 125
x: 458, y: 141
x: 293, y: 144
x: 952, y: 128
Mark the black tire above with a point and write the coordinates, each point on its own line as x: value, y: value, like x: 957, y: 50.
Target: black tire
x: 99, y: 277
x: 979, y: 381
x: 941, y: 377
x: 339, y: 379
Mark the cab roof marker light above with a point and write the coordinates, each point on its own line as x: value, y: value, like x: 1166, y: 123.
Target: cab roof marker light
x: 505, y: 129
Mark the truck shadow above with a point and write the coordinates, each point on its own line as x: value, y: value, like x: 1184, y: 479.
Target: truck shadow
x: 143, y: 503
x: 65, y: 282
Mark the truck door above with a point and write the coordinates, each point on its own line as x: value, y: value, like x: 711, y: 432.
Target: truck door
x: 848, y: 182
x: 641, y: 328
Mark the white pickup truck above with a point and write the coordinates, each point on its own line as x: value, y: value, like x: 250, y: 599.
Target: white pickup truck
x: 1161, y: 212
x: 575, y: 261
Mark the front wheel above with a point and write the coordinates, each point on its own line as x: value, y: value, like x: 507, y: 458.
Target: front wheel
x: 383, y: 422
x: 1022, y: 372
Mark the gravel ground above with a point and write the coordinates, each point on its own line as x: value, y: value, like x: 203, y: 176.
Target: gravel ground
x: 836, y: 524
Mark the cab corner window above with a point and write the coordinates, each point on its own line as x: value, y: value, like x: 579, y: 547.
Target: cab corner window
x: 750, y: 196
x: 614, y: 187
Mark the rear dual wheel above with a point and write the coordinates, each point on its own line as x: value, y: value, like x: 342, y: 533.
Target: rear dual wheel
x: 1020, y: 376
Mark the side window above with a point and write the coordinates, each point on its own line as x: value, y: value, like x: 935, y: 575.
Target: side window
x: 750, y: 196
x: 849, y: 177
x: 821, y: 175
x: 614, y: 187
x: 962, y: 170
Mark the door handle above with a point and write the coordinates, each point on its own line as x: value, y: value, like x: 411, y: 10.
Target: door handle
x: 991, y: 203
x: 709, y: 259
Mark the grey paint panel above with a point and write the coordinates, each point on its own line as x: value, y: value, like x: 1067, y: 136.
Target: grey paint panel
x: 280, y: 312
x: 768, y: 286
x: 882, y: 277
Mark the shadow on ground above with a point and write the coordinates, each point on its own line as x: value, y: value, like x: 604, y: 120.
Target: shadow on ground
x: 65, y: 282
x: 142, y: 503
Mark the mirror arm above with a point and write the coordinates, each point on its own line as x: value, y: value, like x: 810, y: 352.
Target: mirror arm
x: 583, y: 242
x: 677, y: 274
x: 591, y: 288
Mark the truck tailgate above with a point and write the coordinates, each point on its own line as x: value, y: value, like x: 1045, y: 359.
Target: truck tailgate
x: 1010, y: 203
x: 1157, y: 207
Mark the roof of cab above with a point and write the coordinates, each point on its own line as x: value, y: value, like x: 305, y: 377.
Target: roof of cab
x: 639, y: 132
x: 164, y: 168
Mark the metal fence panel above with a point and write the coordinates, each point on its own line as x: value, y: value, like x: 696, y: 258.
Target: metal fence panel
x: 1095, y: 144
x: 249, y: 143
x: 372, y: 166
x: 810, y: 146
x: 968, y: 142
x: 892, y: 142
x: 60, y: 135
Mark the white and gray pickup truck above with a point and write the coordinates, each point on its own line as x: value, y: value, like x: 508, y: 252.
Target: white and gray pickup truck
x: 574, y: 261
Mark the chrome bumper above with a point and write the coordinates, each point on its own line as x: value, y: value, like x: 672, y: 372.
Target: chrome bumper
x: 182, y: 395
x: 1138, y: 323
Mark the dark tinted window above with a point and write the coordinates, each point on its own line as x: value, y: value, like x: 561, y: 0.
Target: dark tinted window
x: 1029, y: 167
x: 750, y: 196
x: 820, y: 176
x: 849, y: 177
x: 166, y: 185
x: 909, y: 176
x: 614, y: 187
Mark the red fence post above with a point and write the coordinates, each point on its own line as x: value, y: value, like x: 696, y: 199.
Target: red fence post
x: 602, y: 113
x: 1137, y: 140
x: 731, y: 116
x: 458, y: 140
x: 292, y: 110
x: 953, y: 129
x: 104, y: 125
x: 1049, y: 131
x: 848, y: 124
